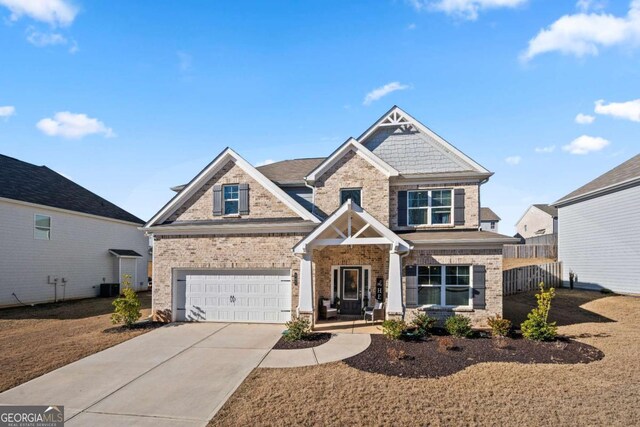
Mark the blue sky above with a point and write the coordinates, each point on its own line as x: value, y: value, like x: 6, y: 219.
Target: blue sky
x: 129, y: 98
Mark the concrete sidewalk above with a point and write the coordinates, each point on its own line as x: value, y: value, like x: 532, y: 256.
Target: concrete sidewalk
x: 180, y: 374
x: 339, y: 347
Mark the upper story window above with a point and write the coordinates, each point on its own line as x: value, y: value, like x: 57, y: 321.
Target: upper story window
x: 429, y: 207
x: 493, y: 225
x: 355, y: 194
x: 42, y: 227
x: 231, y: 199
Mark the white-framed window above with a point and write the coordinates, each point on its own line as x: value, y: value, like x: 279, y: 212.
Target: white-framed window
x: 231, y: 199
x: 42, y: 227
x: 493, y: 225
x: 429, y: 207
x: 444, y: 285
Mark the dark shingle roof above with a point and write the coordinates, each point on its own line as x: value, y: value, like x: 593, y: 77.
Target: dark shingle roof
x: 628, y: 170
x: 40, y: 185
x: 290, y: 171
x: 486, y: 214
x: 453, y: 236
x: 551, y: 210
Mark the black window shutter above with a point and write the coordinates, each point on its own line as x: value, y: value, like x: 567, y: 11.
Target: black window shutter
x: 479, y: 280
x: 244, y: 199
x: 217, y: 200
x: 458, y: 201
x: 402, y: 208
x: 410, y: 270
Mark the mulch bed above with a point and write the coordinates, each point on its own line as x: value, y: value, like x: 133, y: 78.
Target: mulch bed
x: 313, y: 340
x: 138, y: 326
x: 428, y: 359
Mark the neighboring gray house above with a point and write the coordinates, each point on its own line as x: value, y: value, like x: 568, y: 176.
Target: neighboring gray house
x: 59, y: 241
x: 599, y: 230
x: 489, y: 220
x: 538, y: 220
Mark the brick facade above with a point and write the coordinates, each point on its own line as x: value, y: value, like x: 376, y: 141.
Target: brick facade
x: 262, y: 203
x: 217, y: 252
x: 490, y: 258
x: 352, y: 171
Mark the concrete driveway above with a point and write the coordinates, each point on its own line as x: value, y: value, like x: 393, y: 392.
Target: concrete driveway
x: 180, y: 374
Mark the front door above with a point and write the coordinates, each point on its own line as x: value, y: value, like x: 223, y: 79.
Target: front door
x: 350, y: 290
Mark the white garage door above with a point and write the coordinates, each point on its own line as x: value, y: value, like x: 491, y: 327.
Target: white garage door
x: 236, y: 296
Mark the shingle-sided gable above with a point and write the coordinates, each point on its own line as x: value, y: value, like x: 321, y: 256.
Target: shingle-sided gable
x: 411, y: 148
x: 412, y: 152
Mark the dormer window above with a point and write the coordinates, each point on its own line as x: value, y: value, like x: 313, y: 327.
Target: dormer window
x: 355, y: 194
x: 429, y: 207
x: 231, y: 199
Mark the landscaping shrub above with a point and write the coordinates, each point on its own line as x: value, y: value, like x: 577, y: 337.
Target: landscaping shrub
x: 297, y: 328
x: 126, y: 308
x: 500, y: 326
x: 458, y: 326
x: 393, y: 329
x: 445, y: 344
x: 537, y: 326
x: 395, y: 354
x: 424, y: 323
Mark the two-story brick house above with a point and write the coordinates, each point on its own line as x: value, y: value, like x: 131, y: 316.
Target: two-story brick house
x: 393, y: 215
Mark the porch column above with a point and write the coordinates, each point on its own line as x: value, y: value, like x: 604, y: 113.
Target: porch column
x: 305, y: 301
x: 394, y: 285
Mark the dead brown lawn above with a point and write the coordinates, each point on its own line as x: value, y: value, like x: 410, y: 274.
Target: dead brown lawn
x: 509, y: 263
x: 37, y: 340
x: 606, y: 392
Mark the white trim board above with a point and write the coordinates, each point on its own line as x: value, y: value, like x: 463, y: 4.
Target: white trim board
x: 218, y: 163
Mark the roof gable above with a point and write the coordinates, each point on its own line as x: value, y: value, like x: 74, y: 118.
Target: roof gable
x: 210, y: 170
x: 351, y: 145
x: 486, y: 214
x: 412, y: 148
x: 25, y: 182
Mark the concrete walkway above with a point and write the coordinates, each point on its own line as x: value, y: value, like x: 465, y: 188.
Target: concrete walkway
x: 339, y: 347
x: 180, y: 374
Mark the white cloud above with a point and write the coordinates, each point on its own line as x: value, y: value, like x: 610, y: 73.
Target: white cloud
x: 587, y: 5
x: 629, y: 110
x: 7, y: 111
x: 385, y: 90
x: 584, y: 34
x: 39, y: 39
x: 548, y: 149
x: 584, y: 119
x: 73, y: 126
x: 265, y: 162
x: 513, y: 160
x: 411, y: 26
x: 466, y: 9
x: 586, y: 144
x: 54, y: 12
x: 184, y: 61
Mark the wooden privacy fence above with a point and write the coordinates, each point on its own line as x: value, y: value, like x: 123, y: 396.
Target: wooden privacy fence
x: 529, y: 251
x: 528, y: 278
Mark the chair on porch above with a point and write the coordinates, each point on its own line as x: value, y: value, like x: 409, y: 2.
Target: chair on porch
x: 326, y: 311
x: 375, y: 313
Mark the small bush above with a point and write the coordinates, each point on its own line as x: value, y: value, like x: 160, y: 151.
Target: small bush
x: 126, y: 308
x: 298, y: 328
x: 395, y: 354
x: 393, y: 329
x: 458, y: 326
x: 424, y: 323
x: 500, y: 327
x: 537, y: 326
x: 445, y: 344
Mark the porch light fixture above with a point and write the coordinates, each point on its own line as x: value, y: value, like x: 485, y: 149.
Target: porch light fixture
x: 295, y: 278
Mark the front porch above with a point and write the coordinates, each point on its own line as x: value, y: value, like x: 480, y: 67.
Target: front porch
x: 348, y: 326
x: 353, y: 261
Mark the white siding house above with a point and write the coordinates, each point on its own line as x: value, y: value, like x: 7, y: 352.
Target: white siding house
x: 49, y: 253
x: 489, y: 220
x: 538, y: 220
x: 599, y: 231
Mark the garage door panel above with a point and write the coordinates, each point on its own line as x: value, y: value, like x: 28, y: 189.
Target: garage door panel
x: 261, y: 296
